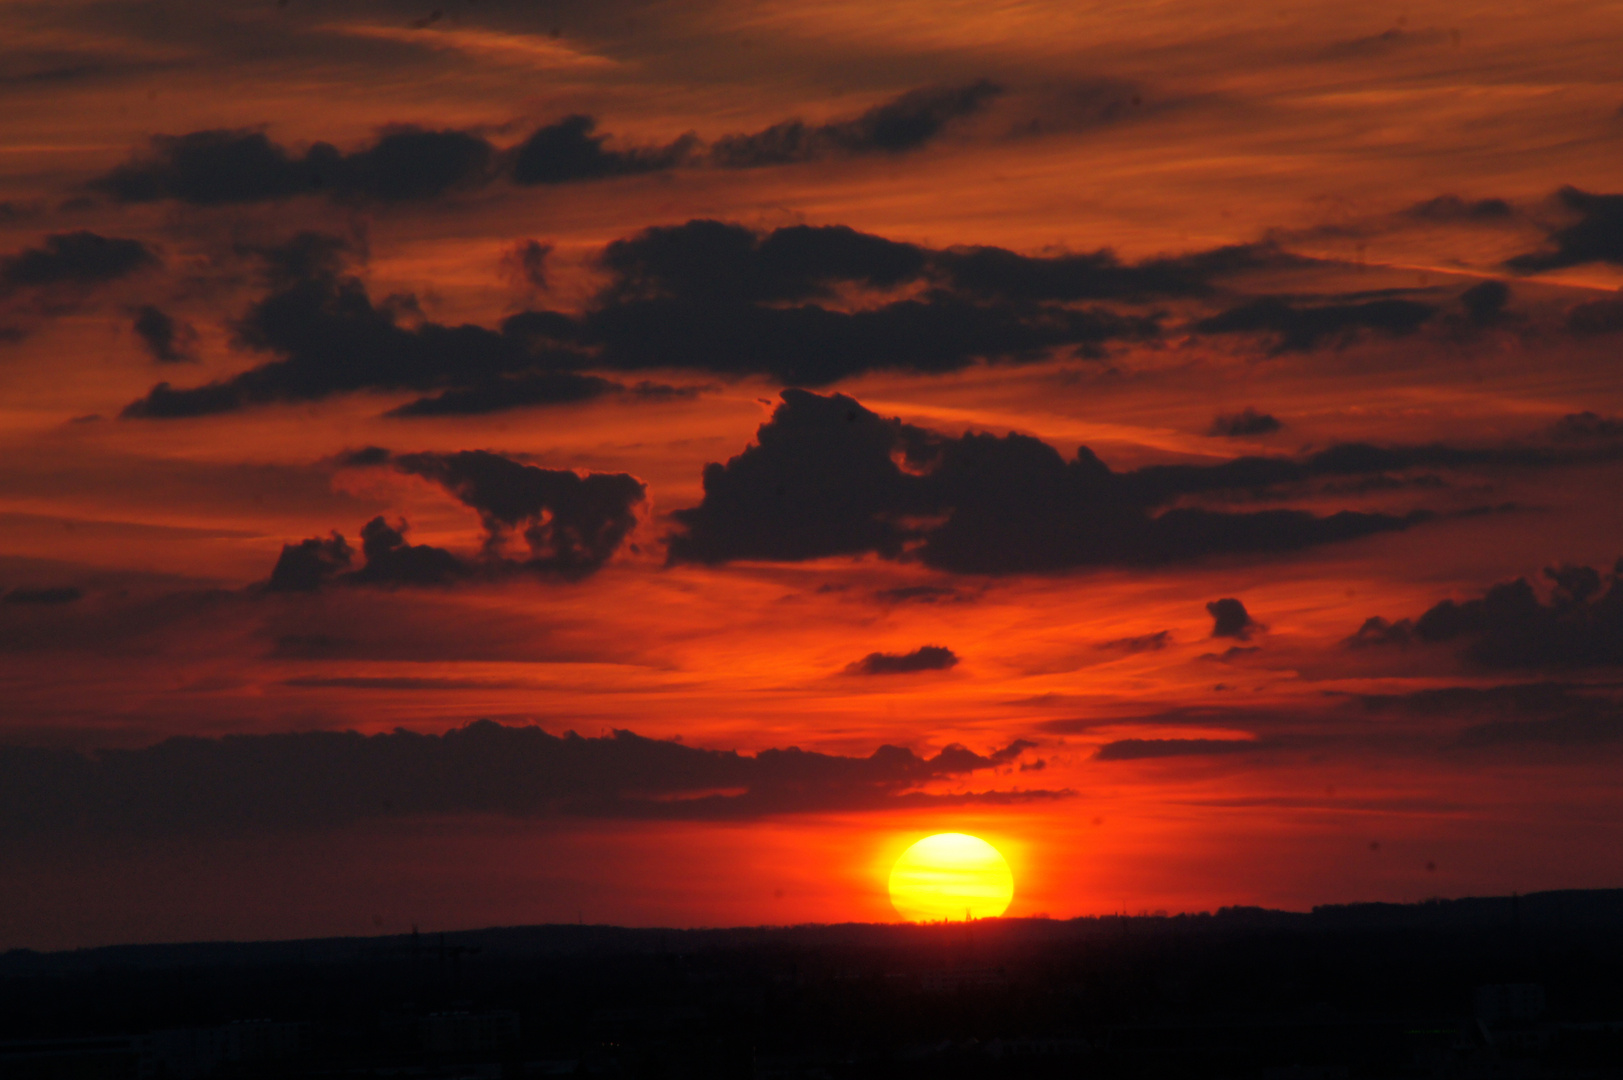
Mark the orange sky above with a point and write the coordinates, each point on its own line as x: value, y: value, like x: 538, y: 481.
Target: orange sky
x: 1365, y: 170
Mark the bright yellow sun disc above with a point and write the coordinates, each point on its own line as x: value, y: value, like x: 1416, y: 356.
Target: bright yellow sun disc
x: 950, y: 876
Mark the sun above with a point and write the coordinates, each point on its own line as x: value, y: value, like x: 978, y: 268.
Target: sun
x: 950, y: 876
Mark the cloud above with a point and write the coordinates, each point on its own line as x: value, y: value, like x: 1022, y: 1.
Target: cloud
x: 719, y: 297
x: 704, y: 296
x: 1451, y: 208
x: 330, y: 337
x: 1517, y: 715
x: 217, y: 167
x: 568, y: 152
x: 572, y: 524
x: 1139, y: 643
x: 1597, y: 235
x: 1298, y: 328
x: 76, y: 259
x: 305, y: 566
x: 1140, y: 749
x: 1580, y: 626
x: 1485, y: 302
x: 390, y: 560
x: 1247, y: 421
x: 323, y: 780
x: 924, y: 658
x: 826, y: 476
x: 1387, y: 42
x: 526, y: 262
x: 167, y: 341
x: 991, y: 272
x: 715, y: 262
x: 408, y: 163
x: 1597, y: 316
x: 1587, y: 426
x: 521, y: 391
x: 920, y: 594
x: 51, y: 595
x: 1230, y: 619
x: 901, y: 124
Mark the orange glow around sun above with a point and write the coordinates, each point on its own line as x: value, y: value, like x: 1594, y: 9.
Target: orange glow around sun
x: 951, y: 876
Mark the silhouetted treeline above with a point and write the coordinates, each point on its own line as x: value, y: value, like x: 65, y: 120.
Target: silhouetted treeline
x: 1500, y: 986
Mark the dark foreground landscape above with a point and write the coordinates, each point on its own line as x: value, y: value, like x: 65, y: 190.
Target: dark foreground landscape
x: 1527, y: 986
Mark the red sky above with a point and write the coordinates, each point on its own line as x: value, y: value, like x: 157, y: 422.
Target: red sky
x: 1352, y: 274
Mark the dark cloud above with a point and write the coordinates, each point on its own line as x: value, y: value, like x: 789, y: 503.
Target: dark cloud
x: 1140, y: 643
x: 321, y: 780
x: 920, y: 594
x: 1139, y: 749
x: 1452, y: 208
x: 716, y: 263
x: 1387, y: 42
x: 1298, y: 328
x: 74, y: 259
x: 991, y: 272
x: 1083, y: 106
x: 924, y: 658
x: 1230, y: 619
x: 391, y: 560
x: 569, y: 151
x: 526, y: 261
x: 305, y: 566
x: 1597, y: 235
x: 1581, y: 624
x: 217, y: 167
x: 723, y: 298
x: 364, y: 456
x: 168, y: 341
x: 1519, y: 715
x: 52, y: 595
x: 1587, y: 427
x: 572, y: 523
x: 1577, y: 730
x: 704, y: 296
x: 814, y: 346
x: 330, y: 338
x: 826, y: 477
x: 1575, y: 439
x: 409, y: 163
x: 1247, y: 421
x: 1485, y: 302
x: 1597, y: 316
x: 901, y: 124
x: 522, y: 391
x: 1380, y: 631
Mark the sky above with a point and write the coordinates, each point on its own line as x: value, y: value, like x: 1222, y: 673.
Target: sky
x: 649, y: 463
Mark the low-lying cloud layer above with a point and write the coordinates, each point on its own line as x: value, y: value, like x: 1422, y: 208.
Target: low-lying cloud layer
x: 323, y: 780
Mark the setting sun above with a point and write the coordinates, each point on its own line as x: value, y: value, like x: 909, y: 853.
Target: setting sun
x: 951, y: 876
